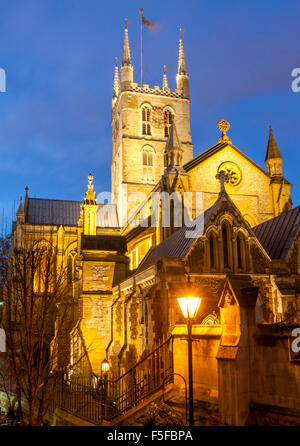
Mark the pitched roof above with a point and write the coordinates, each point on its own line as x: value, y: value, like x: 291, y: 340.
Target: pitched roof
x: 65, y: 212
x: 214, y: 149
x: 176, y: 245
x: 277, y: 234
x: 272, y: 148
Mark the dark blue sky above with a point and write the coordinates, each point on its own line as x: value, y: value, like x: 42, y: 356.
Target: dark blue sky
x: 59, y: 62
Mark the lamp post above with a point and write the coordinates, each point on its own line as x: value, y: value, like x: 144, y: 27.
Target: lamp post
x: 189, y: 307
x: 104, y: 377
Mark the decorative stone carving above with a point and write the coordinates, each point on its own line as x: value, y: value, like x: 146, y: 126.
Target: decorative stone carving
x: 232, y: 171
x: 157, y: 117
x: 265, y: 296
x: 211, y: 319
x: 98, y: 272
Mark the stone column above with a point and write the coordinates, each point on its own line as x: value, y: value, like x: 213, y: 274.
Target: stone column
x: 237, y: 314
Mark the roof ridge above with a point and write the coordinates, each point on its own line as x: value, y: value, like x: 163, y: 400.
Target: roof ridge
x: 205, y: 151
x: 278, y: 233
x: 216, y: 148
x: 54, y: 199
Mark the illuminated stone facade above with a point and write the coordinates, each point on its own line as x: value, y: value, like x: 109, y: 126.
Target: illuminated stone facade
x: 124, y: 280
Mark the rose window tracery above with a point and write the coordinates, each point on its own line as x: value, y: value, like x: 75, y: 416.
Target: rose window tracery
x: 232, y: 171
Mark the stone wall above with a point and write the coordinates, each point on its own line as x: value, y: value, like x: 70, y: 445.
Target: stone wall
x: 275, y: 379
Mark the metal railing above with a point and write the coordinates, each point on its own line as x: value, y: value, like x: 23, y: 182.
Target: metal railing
x: 146, y: 377
x: 82, y: 398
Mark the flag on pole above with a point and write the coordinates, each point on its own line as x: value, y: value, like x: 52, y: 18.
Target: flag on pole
x: 148, y: 23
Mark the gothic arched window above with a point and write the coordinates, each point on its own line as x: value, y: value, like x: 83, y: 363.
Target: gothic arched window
x: 168, y: 122
x: 146, y: 126
x: 148, y: 164
x: 225, y: 246
x: 241, y: 252
x: 211, y: 252
x: 212, y: 258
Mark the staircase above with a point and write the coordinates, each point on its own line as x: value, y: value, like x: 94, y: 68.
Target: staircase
x: 113, y: 399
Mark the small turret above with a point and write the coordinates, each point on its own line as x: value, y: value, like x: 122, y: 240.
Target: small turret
x: 280, y: 187
x: 182, y: 77
x: 89, y: 209
x: 273, y: 159
x: 26, y: 198
x: 165, y: 79
x: 126, y: 67
x: 20, y: 212
x: 116, y: 80
x: 116, y: 90
x: 173, y: 150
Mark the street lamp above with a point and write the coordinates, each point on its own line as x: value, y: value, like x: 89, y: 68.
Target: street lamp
x: 189, y: 307
x: 104, y: 378
x: 104, y: 368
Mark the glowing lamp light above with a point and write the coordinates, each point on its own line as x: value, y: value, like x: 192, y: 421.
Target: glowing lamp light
x: 105, y: 366
x: 189, y: 306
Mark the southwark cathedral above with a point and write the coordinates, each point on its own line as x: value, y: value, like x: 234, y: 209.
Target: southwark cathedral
x: 130, y: 259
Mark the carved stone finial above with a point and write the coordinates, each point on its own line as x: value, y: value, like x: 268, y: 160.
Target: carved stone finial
x: 223, y: 177
x: 90, y: 178
x: 90, y: 197
x: 228, y: 299
x: 224, y: 126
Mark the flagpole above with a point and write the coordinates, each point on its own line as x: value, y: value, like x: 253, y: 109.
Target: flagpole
x: 141, y: 12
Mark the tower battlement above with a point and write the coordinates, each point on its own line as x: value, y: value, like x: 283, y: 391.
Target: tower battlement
x: 142, y: 116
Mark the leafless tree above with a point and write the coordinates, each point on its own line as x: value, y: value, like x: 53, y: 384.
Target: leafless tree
x: 37, y: 318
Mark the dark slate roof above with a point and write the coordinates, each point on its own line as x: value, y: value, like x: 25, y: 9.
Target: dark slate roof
x: 67, y: 213
x: 211, y: 151
x: 277, y: 234
x: 55, y: 212
x: 176, y: 245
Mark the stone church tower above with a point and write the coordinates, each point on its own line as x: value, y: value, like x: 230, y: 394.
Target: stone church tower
x: 141, y: 121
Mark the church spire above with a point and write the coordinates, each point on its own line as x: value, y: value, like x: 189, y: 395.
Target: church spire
x: 126, y: 50
x: 182, y: 77
x: 126, y: 67
x: 181, y: 61
x: 272, y: 148
x: 273, y: 159
x: 165, y: 79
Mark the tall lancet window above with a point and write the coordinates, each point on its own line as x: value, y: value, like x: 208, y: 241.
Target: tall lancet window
x: 225, y: 236
x: 168, y: 122
x: 146, y: 126
x: 148, y: 165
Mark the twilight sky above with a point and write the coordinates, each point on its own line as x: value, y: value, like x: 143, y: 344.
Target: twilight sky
x: 59, y: 63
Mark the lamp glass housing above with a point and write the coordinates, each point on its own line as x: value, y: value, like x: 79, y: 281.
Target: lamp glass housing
x: 189, y: 306
x: 105, y: 366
